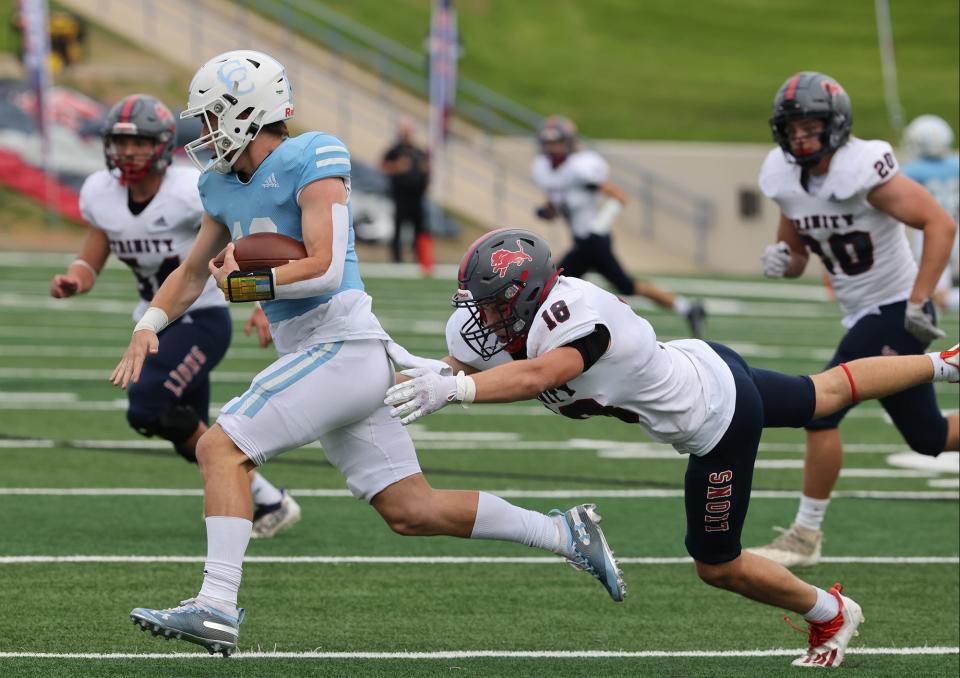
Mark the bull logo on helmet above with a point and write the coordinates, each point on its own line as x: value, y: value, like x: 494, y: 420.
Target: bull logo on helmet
x: 501, y: 260
x: 831, y: 88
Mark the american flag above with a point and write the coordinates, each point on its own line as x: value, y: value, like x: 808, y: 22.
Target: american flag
x: 443, y: 77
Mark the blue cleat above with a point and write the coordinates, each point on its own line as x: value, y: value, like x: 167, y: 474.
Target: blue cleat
x: 193, y: 622
x: 591, y: 552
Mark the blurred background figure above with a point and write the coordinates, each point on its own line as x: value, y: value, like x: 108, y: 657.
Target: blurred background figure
x: 578, y: 188
x: 928, y: 142
x: 408, y: 168
x: 67, y: 38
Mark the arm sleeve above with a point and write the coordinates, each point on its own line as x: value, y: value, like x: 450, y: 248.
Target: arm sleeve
x: 592, y: 346
x: 330, y: 280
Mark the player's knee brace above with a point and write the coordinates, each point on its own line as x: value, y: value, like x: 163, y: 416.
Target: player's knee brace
x: 176, y: 425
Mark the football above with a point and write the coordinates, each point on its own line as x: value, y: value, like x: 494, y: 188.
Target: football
x: 258, y: 251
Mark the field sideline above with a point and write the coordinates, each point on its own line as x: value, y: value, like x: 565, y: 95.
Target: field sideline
x: 100, y: 520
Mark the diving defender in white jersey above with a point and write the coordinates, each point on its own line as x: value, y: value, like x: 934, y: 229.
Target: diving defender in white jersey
x: 335, y: 359
x: 147, y: 213
x: 522, y: 331
x: 845, y: 200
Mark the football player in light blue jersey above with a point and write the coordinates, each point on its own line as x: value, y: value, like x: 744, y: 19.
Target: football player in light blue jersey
x: 929, y: 139
x: 335, y: 358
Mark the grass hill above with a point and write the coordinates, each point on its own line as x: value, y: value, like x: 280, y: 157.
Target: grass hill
x: 686, y: 70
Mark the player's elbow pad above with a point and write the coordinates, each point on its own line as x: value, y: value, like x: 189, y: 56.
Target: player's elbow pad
x: 330, y: 280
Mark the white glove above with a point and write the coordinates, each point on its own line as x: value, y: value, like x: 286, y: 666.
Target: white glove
x: 776, y: 260
x: 921, y: 324
x: 426, y: 392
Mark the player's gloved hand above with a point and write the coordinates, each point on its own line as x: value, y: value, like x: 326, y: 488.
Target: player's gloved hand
x: 921, y: 324
x: 426, y: 392
x: 776, y: 260
x: 546, y: 212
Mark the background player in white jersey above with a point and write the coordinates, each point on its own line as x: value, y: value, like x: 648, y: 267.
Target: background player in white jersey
x: 521, y: 331
x: 578, y: 188
x: 334, y: 367
x: 845, y: 200
x: 147, y: 213
x: 928, y: 140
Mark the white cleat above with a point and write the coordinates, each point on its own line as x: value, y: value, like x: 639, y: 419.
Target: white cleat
x: 268, y: 520
x: 798, y: 547
x: 828, y: 640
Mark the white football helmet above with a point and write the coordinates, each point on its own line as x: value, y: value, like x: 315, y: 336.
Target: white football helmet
x: 928, y: 136
x: 235, y: 94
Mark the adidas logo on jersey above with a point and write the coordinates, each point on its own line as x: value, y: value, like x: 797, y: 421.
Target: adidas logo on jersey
x: 271, y: 181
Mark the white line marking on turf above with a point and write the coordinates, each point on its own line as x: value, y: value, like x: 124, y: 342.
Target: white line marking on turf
x: 446, y: 560
x: 921, y: 495
x: 461, y: 441
x: 482, y: 654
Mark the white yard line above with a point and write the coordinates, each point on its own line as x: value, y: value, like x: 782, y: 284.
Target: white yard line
x: 919, y: 495
x: 481, y: 654
x: 442, y: 560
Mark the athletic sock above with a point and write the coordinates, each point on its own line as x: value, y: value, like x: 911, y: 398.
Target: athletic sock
x: 264, y: 493
x: 227, y: 539
x: 681, y: 305
x: 498, y: 519
x: 811, y: 512
x: 826, y: 608
x: 942, y: 371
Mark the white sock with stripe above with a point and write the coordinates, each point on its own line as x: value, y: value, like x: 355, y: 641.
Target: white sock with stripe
x: 499, y: 519
x: 227, y: 539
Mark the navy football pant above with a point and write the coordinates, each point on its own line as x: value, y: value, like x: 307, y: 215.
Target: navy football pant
x: 595, y: 253
x: 717, y: 485
x: 179, y: 375
x: 914, y: 412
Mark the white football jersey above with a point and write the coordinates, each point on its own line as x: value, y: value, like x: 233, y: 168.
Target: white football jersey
x: 154, y: 242
x: 573, y: 187
x: 865, y: 250
x: 679, y: 392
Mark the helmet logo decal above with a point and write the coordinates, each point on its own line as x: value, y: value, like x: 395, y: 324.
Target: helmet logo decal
x: 501, y: 260
x: 163, y: 113
x: 831, y: 88
x: 233, y: 73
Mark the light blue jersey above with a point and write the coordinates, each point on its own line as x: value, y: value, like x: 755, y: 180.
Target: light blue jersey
x: 940, y: 176
x: 269, y: 203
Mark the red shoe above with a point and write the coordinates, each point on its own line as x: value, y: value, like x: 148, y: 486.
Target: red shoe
x: 952, y: 358
x: 828, y: 640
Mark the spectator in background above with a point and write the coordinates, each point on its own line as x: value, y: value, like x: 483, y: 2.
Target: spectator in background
x: 408, y: 168
x: 928, y: 140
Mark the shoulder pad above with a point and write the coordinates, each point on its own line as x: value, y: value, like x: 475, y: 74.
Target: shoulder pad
x: 777, y: 174
x: 565, y: 316
x: 860, y: 166
x: 589, y: 167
